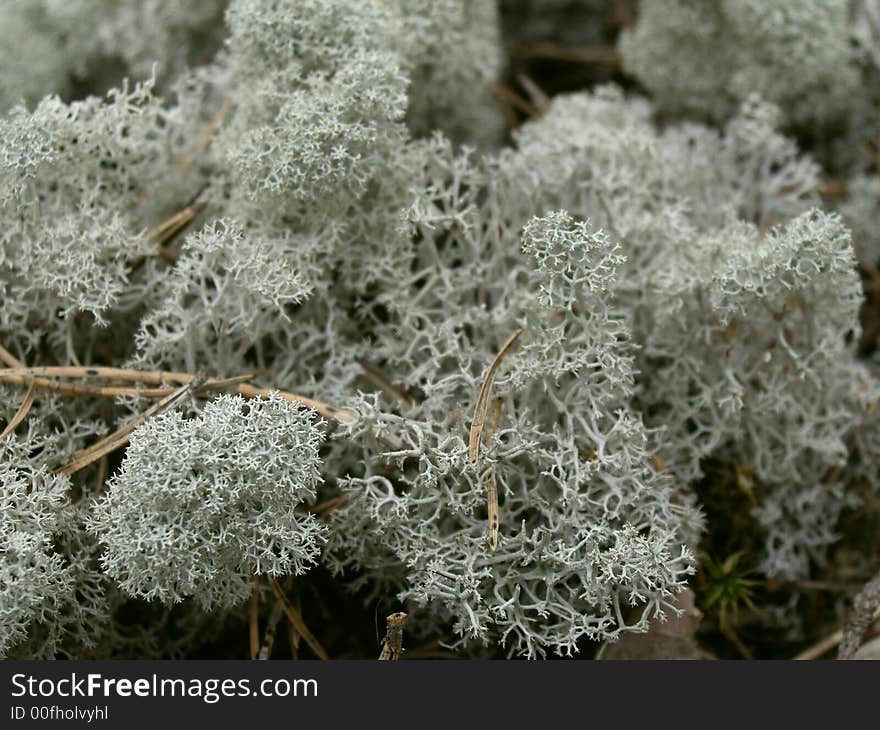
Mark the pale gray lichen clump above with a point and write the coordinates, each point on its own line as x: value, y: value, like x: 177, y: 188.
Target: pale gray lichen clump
x: 364, y: 235
x: 796, y: 55
x: 199, y: 505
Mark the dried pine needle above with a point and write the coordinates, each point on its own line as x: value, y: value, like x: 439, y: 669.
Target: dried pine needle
x: 120, y: 437
x: 480, y: 413
x: 482, y: 405
x: 21, y: 413
x: 297, y: 622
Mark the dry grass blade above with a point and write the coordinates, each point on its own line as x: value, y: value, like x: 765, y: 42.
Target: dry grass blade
x: 222, y: 383
x: 392, y: 644
x: 297, y: 622
x: 482, y: 405
x: 494, y: 420
x: 329, y: 412
x: 120, y: 437
x: 170, y: 227
x: 207, y: 135
x: 21, y: 413
x: 254, y: 617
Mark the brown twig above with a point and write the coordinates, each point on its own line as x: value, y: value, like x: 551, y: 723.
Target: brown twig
x: 297, y: 622
x: 254, y: 617
x: 120, y: 437
x: 163, y: 233
x: 9, y: 358
x: 170, y: 227
x: 599, y: 55
x: 329, y: 412
x: 128, y: 375
x: 833, y: 189
x: 17, y: 374
x: 385, y: 385
x: 103, y: 469
x: 503, y: 91
x: 207, y: 135
x: 325, y: 508
x: 78, y: 389
x: 538, y: 96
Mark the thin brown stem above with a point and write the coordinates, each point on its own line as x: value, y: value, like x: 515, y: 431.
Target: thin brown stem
x: 502, y: 90
x: 297, y: 622
x: 254, y: 617
x: 120, y: 437
x: 378, y: 379
x: 540, y: 99
x: 325, y: 508
x: 207, y: 135
x: 598, y: 55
